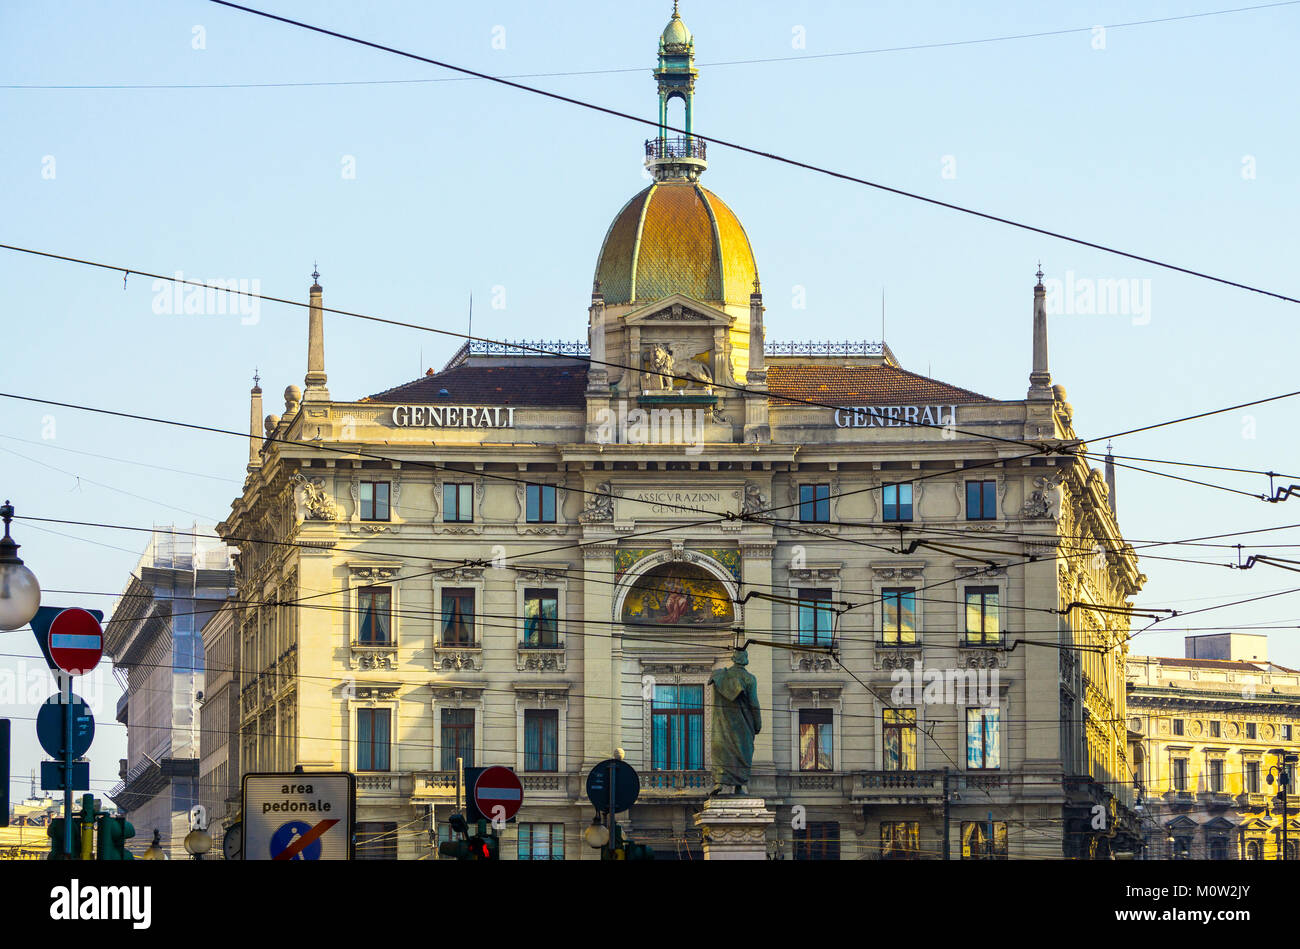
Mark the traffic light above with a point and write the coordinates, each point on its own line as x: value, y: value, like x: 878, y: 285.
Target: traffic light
x: 489, y: 847
x: 55, y: 833
x: 113, y: 834
x: 623, y: 848
x: 461, y: 849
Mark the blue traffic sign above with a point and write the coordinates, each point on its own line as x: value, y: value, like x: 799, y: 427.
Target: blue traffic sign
x: 51, y: 721
x: 288, y: 835
x: 52, y: 776
x: 627, y: 785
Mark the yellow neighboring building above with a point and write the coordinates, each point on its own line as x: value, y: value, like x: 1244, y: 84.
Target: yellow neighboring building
x: 534, y: 560
x: 1207, y: 732
x: 26, y: 837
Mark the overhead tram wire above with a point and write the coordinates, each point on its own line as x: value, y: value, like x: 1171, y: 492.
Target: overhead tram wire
x: 807, y: 57
x: 843, y: 176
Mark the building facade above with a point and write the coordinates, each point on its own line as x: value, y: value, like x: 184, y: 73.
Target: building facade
x: 219, y: 784
x: 534, y: 558
x: 155, y: 639
x: 1208, y: 731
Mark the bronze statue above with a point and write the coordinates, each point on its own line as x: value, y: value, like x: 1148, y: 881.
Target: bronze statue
x: 736, y: 720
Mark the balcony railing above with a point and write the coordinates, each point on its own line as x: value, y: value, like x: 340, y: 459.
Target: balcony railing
x: 676, y: 783
x: 884, y: 785
x: 676, y: 147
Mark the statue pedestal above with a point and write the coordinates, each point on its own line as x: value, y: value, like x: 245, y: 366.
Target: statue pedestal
x: 735, y: 828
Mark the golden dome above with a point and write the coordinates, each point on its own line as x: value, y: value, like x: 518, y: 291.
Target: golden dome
x: 676, y: 237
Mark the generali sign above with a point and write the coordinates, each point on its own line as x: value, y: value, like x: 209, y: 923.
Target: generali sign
x: 893, y: 416
x: 453, y: 416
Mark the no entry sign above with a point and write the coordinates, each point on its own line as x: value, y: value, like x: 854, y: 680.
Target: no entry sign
x: 498, y: 794
x: 76, y: 641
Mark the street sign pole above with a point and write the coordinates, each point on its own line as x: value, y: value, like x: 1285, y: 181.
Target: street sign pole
x: 66, y: 691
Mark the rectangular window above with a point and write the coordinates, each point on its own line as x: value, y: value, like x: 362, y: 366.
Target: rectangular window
x: 373, y: 734
x: 541, y: 503
x: 541, y: 617
x: 677, y: 726
x: 458, y: 502
x: 1216, y: 774
x: 898, y: 502
x: 457, y: 737
x: 1214, y: 729
x: 1250, y: 730
x: 1178, y: 726
x: 457, y: 616
x: 815, y: 620
x: 820, y: 840
x: 814, y: 503
x: 1252, y: 777
x: 816, y: 739
x: 541, y: 739
x: 376, y: 840
x: 898, y: 621
x: 983, y: 840
x: 899, y: 730
x: 1180, y: 774
x: 376, y: 615
x: 1286, y: 732
x: 541, y: 841
x: 374, y: 500
x: 981, y: 500
x: 982, y: 628
x: 900, y: 840
x: 983, y: 740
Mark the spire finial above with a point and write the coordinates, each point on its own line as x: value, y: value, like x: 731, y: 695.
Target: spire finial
x: 257, y: 380
x: 675, y: 9
x: 315, y: 273
x: 1040, y: 273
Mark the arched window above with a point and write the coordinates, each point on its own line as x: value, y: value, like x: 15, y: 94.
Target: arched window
x: 1254, y: 850
x: 678, y: 594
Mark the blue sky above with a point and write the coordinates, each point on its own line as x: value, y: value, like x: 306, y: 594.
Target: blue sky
x: 1174, y: 141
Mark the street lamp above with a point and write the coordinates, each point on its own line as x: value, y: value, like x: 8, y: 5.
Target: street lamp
x: 198, y: 842
x: 20, y: 594
x: 1283, y: 779
x: 155, y: 850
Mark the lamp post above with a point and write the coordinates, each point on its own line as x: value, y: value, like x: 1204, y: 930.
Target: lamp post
x: 20, y: 594
x: 1284, y: 781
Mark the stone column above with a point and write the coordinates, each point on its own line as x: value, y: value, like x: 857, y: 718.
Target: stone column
x: 255, y: 426
x: 735, y: 828
x: 314, y: 382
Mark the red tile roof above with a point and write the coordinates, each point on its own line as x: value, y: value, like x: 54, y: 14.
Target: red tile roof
x: 864, y: 385
x: 564, y: 386
x: 557, y: 386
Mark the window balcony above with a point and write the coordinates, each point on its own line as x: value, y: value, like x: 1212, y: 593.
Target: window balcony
x: 373, y: 656
x: 1179, y: 797
x: 675, y: 784
x: 1216, y: 798
x: 1252, y: 800
x: 536, y: 657
x: 898, y: 787
x: 451, y: 657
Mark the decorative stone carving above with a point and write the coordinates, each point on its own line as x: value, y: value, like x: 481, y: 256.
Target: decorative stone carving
x: 735, y: 828
x: 599, y: 506
x: 1045, y: 500
x: 457, y: 658
x: 892, y: 659
x: 314, y: 499
x: 540, y: 660
x: 754, y: 499
x: 373, y: 572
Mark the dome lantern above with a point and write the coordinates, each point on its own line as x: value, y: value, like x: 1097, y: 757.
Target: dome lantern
x: 676, y: 154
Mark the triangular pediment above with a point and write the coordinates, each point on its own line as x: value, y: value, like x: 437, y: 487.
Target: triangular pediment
x: 1182, y: 822
x: 679, y: 308
x: 1253, y: 823
x: 1220, y: 825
